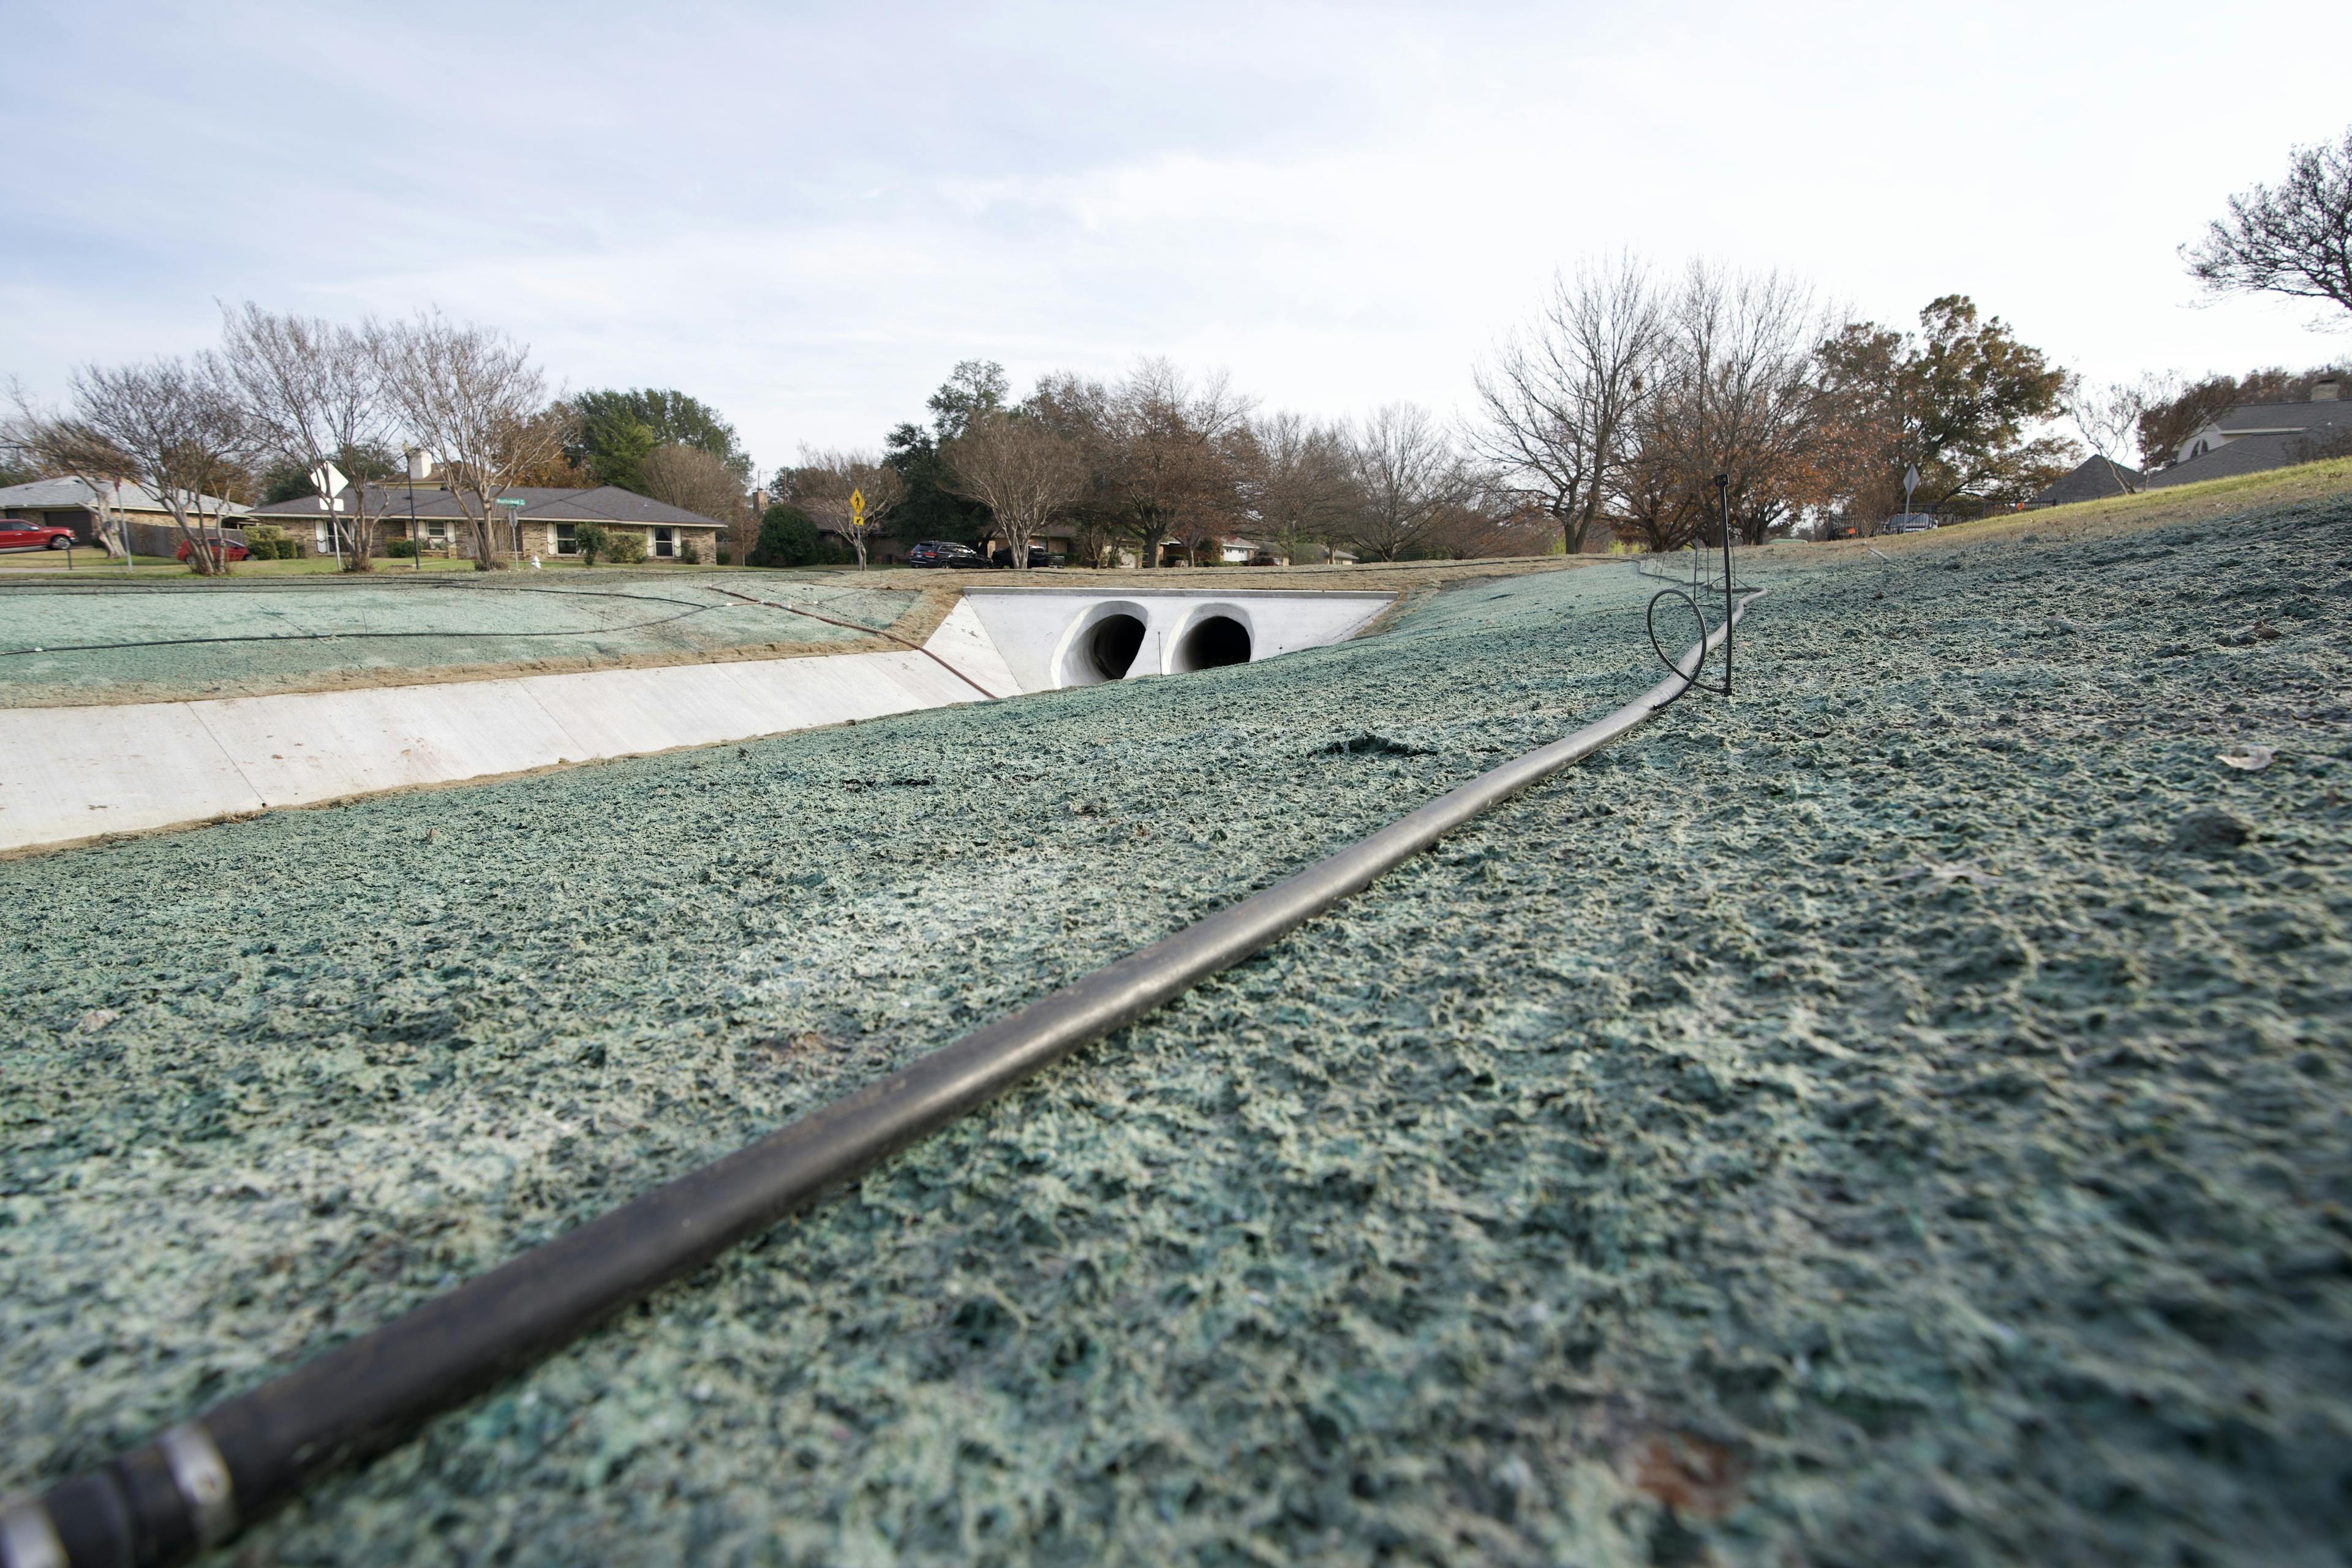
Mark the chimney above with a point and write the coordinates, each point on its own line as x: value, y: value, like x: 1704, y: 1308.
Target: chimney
x: 2327, y: 389
x: 420, y: 463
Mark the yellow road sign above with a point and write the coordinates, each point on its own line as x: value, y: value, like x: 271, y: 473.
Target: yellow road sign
x: 857, y: 507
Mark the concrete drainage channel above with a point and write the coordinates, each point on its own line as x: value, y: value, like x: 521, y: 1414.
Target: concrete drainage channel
x: 70, y: 775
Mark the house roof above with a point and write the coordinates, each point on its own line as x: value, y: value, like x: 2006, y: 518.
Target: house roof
x: 62, y: 493
x: 2092, y: 478
x: 2247, y: 417
x: 2246, y: 455
x: 604, y: 503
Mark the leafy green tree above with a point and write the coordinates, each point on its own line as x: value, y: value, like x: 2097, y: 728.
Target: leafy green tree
x: 590, y: 539
x: 928, y: 508
x: 666, y: 417
x: 789, y: 537
x: 614, y: 448
x: 974, y: 387
x: 1957, y: 399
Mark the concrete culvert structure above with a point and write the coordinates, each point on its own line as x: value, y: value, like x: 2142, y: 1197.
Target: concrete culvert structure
x: 1044, y: 637
x: 1104, y: 644
x: 1211, y: 641
x: 1112, y: 646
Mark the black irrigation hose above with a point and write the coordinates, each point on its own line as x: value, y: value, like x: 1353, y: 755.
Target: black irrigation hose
x: 201, y: 1482
x: 884, y: 633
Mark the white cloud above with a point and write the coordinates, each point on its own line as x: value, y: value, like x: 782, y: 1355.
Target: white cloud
x: 806, y: 221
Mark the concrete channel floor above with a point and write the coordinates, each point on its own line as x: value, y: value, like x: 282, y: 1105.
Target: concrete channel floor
x: 1896, y: 1114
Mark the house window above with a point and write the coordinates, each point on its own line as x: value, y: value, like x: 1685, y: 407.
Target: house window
x: 665, y: 542
x: 567, y: 543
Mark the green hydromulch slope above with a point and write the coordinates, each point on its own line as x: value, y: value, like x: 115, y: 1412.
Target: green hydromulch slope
x: 127, y: 640
x: 1898, y: 1114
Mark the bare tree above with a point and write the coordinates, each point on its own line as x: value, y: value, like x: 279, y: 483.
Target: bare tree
x: 1301, y: 487
x: 2109, y: 417
x: 826, y: 483
x: 60, y: 446
x: 1738, y: 398
x: 1658, y: 505
x: 1172, y: 451
x: 472, y: 396
x: 1408, y: 477
x: 1021, y: 471
x: 1079, y: 411
x: 2294, y: 240
x: 168, y: 425
x: 694, y: 481
x: 312, y: 390
x: 1562, y: 398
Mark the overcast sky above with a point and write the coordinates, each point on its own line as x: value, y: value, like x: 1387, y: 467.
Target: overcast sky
x: 807, y: 214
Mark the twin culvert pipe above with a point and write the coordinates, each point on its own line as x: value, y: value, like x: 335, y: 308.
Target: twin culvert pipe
x: 1110, y: 645
x: 201, y: 1482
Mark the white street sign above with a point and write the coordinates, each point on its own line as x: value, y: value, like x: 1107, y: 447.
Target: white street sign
x: 328, y: 480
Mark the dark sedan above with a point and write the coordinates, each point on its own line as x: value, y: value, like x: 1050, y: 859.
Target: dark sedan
x: 942, y: 553
x: 1038, y: 557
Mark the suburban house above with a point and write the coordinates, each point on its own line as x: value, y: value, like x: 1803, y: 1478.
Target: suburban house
x: 546, y: 522
x: 2257, y: 436
x: 2095, y: 479
x: 78, y: 505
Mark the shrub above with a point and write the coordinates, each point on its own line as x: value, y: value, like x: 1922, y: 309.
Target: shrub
x: 623, y: 548
x: 266, y: 541
x: 689, y: 552
x: 725, y: 555
x: 589, y: 540
x: 401, y: 548
x: 787, y: 538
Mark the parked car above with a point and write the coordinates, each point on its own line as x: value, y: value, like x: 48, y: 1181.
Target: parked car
x: 16, y: 534
x: 229, y: 549
x: 1263, y: 559
x: 1038, y: 557
x: 943, y: 552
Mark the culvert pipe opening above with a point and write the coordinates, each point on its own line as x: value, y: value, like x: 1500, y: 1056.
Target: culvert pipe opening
x: 1211, y: 641
x: 1112, y: 646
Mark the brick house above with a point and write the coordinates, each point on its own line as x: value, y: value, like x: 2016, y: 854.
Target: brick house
x: 547, y: 519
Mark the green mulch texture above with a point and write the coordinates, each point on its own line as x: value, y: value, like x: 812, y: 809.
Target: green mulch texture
x: 195, y: 640
x: 1896, y: 1114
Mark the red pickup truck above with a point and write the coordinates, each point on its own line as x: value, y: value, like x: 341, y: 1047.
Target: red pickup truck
x: 22, y: 533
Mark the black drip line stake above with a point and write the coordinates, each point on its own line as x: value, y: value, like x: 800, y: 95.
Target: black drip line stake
x: 1690, y: 677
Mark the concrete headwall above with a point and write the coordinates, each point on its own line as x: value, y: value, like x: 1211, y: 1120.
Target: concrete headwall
x: 1041, y: 632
